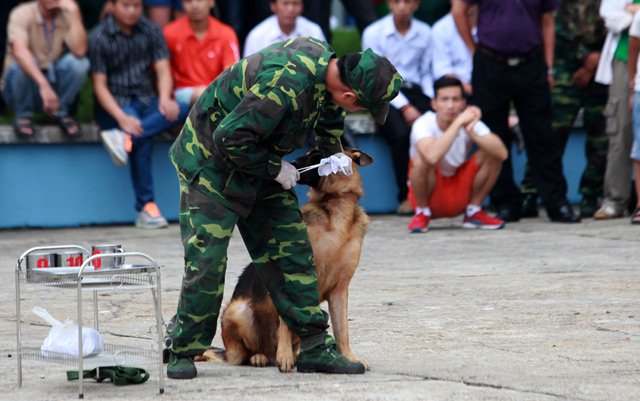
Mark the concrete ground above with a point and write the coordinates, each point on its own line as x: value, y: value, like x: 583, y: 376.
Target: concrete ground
x: 537, y: 311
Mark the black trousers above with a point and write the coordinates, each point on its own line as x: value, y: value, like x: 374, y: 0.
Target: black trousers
x: 397, y: 134
x: 495, y: 86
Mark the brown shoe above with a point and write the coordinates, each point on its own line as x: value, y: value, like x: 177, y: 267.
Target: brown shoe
x: 405, y: 208
x: 606, y: 212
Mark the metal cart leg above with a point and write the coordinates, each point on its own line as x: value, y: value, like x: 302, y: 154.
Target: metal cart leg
x: 157, y: 301
x: 18, y: 334
x: 80, y: 354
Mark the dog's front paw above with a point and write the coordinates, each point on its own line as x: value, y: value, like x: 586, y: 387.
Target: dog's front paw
x: 259, y: 360
x: 286, y: 362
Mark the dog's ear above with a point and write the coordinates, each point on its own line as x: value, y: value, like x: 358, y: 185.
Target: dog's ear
x: 360, y: 158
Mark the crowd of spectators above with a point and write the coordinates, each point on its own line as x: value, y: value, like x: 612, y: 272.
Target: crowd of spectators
x: 149, y: 60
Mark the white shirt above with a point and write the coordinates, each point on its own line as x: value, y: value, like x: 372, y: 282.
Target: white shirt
x: 427, y: 126
x: 268, y: 32
x: 616, y: 19
x: 450, y: 54
x: 410, y: 54
x: 634, y: 30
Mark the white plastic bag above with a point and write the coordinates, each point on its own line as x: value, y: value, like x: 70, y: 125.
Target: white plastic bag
x: 63, y: 337
x: 337, y: 163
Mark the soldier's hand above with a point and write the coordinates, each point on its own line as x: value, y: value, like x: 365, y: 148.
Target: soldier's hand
x: 591, y: 61
x: 288, y: 176
x: 582, y: 77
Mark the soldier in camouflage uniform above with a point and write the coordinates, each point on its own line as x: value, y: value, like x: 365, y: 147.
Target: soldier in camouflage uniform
x: 580, y: 35
x: 231, y: 172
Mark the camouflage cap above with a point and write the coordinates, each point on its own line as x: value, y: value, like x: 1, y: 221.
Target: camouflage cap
x: 375, y: 82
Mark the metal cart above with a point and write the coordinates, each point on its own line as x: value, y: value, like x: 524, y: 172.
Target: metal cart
x: 88, y: 278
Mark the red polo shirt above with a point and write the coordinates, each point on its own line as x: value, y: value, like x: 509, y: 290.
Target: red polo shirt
x: 198, y: 62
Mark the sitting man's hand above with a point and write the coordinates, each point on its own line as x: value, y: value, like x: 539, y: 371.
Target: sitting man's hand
x: 130, y: 125
x: 169, y: 109
x: 469, y: 117
x: 288, y: 176
x: 410, y: 114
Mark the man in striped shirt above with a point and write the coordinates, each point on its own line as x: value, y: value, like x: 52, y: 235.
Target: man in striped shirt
x: 124, y: 51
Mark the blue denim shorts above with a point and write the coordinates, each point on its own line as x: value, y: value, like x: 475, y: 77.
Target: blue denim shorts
x: 635, y: 149
x: 176, y: 4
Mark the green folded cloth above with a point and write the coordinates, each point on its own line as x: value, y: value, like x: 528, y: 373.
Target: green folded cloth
x: 119, y: 375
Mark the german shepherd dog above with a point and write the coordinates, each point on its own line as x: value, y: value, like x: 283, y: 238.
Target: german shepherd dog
x: 252, y: 331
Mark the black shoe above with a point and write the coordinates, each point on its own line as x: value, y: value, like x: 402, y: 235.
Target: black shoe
x: 181, y: 367
x: 588, y: 207
x: 529, y: 206
x: 562, y: 214
x: 508, y: 214
x: 325, y: 358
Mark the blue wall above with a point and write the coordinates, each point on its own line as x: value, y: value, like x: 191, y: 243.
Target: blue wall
x: 77, y: 184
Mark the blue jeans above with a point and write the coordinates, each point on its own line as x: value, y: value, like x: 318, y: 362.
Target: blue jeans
x: 22, y: 94
x: 635, y: 149
x: 153, y: 123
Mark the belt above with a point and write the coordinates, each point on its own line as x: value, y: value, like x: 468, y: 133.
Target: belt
x: 511, y: 61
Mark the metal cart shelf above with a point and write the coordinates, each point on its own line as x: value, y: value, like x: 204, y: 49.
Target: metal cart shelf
x: 86, y: 278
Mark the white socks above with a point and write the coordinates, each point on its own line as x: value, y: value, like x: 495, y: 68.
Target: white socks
x: 424, y: 210
x: 472, y: 209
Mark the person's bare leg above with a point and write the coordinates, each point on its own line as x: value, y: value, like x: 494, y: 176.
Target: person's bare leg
x: 636, y: 174
x: 423, y: 180
x: 485, y: 179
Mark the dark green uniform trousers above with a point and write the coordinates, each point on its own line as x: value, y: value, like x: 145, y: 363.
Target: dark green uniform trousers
x: 277, y: 240
x: 567, y: 99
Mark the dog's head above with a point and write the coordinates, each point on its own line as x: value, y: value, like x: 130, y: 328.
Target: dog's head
x: 312, y: 179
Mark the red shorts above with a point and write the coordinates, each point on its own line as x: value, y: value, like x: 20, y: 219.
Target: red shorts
x: 451, y: 195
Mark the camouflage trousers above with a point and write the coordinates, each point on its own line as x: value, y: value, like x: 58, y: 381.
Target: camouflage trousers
x: 567, y: 100
x: 277, y: 240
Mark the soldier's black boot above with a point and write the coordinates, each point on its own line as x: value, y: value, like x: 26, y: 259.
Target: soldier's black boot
x: 181, y: 367
x: 325, y: 358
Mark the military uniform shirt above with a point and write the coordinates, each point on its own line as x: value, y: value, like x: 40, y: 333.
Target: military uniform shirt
x: 259, y: 110
x: 579, y: 29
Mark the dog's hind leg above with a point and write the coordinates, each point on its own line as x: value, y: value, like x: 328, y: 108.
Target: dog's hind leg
x: 238, y: 332
x: 284, y: 351
x: 235, y: 351
x: 338, y: 310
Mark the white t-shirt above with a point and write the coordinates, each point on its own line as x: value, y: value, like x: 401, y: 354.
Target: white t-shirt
x: 268, y: 32
x: 634, y: 30
x: 427, y: 126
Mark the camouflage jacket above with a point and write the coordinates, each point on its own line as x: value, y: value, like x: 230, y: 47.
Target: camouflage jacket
x: 257, y: 111
x: 579, y: 29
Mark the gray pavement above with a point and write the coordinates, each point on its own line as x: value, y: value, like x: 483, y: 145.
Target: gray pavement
x: 538, y: 311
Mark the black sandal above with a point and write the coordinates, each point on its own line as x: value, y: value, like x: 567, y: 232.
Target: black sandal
x: 69, y: 126
x: 635, y: 216
x: 24, y: 128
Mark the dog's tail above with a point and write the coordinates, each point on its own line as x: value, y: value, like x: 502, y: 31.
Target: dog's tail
x: 213, y: 354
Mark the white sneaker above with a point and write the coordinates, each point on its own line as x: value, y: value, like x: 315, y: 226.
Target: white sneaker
x: 150, y: 217
x: 114, y: 142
